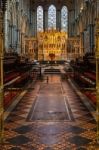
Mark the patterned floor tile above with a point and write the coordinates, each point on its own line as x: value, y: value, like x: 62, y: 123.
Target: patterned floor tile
x: 75, y: 129
x: 19, y: 140
x: 78, y: 134
x: 79, y: 141
x: 89, y: 134
x: 23, y: 129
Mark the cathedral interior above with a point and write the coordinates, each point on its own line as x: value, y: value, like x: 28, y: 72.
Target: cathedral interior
x: 49, y: 74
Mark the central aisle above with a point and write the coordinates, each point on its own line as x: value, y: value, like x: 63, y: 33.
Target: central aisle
x: 50, y: 117
x: 51, y: 104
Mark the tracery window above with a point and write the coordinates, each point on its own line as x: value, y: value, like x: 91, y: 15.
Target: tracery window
x: 52, y: 17
x: 40, y: 18
x: 64, y: 18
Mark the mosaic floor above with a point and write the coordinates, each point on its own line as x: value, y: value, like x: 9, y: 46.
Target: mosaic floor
x: 50, y: 116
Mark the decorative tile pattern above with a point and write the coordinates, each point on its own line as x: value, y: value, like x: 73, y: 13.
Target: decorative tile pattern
x: 77, y: 134
x: 18, y: 140
x: 79, y: 141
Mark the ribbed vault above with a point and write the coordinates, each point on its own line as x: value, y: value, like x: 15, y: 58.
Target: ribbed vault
x: 57, y: 3
x: 3, y: 4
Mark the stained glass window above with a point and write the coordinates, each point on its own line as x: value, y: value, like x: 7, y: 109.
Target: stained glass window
x: 64, y: 18
x: 52, y: 17
x: 40, y: 18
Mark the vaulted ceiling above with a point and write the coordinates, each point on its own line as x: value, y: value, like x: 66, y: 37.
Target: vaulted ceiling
x: 57, y: 3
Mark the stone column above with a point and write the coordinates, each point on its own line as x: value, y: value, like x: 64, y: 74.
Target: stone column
x: 81, y: 44
x: 14, y: 37
x: 22, y: 43
x: 1, y: 77
x: 34, y: 22
x: 45, y: 20
x: 31, y: 25
x: 70, y: 22
x: 97, y: 68
x: 6, y: 37
x: 58, y: 20
x: 11, y: 36
x: 18, y: 40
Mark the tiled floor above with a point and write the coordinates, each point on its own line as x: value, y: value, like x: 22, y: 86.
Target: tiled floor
x: 50, y: 117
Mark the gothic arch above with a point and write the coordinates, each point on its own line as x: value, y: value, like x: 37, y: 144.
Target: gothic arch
x: 64, y: 18
x: 52, y: 17
x: 39, y: 18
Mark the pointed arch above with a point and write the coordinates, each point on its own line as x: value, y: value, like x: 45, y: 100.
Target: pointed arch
x: 52, y: 17
x: 39, y: 18
x: 64, y: 19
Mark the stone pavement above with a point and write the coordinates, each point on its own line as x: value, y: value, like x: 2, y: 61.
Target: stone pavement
x: 50, y: 117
